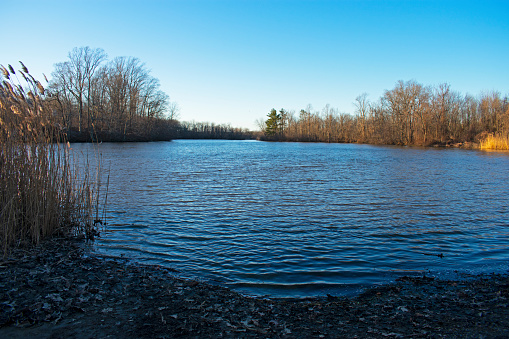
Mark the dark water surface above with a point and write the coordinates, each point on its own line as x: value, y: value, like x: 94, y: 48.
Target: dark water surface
x: 294, y: 219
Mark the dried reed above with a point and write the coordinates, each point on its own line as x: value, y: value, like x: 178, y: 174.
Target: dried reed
x: 43, y: 188
x: 498, y: 142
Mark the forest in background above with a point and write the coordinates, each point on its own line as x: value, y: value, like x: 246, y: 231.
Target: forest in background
x: 206, y: 130
x: 408, y: 114
x: 95, y: 99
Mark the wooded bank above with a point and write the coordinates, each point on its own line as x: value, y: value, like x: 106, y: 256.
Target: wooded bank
x: 92, y: 98
x: 409, y: 114
x: 118, y: 100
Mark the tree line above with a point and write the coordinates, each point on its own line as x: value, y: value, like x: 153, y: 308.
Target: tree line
x: 408, y: 114
x: 110, y: 100
x: 206, y: 130
x: 118, y: 100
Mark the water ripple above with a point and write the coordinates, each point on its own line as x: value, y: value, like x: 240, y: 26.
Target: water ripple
x: 289, y: 219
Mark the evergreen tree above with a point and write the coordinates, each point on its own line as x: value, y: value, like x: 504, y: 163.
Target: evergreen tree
x: 272, y: 123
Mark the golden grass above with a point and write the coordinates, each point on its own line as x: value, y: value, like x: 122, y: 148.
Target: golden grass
x: 43, y: 191
x: 497, y: 142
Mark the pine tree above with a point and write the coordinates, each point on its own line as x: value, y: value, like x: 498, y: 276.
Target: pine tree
x: 272, y: 123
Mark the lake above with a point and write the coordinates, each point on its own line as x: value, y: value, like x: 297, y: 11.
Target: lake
x: 305, y: 219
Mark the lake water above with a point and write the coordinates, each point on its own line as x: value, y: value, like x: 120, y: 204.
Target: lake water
x: 305, y: 219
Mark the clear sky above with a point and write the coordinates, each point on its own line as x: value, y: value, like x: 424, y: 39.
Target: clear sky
x: 232, y: 61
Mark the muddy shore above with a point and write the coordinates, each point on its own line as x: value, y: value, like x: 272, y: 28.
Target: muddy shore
x: 56, y: 291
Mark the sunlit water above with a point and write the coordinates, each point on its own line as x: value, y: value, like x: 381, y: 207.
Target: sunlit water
x: 304, y: 219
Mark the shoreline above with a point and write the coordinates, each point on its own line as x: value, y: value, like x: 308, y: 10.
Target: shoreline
x: 55, y: 290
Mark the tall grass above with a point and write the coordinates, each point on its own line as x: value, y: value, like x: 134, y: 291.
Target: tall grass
x: 498, y: 142
x: 43, y: 191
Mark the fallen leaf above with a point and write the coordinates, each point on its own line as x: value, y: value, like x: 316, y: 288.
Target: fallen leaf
x: 403, y: 308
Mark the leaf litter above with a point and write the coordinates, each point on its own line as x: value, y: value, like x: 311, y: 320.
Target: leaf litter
x: 55, y: 290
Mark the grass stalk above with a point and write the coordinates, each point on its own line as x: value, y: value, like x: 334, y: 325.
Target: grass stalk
x: 44, y: 190
x: 496, y: 142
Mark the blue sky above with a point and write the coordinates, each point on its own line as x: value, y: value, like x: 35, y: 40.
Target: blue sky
x: 232, y: 61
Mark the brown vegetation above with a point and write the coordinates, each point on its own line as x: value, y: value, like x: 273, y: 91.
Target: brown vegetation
x: 497, y: 142
x: 409, y: 114
x: 42, y: 191
x: 203, y: 130
x: 110, y: 101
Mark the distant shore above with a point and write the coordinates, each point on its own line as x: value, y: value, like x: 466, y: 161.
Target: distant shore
x: 56, y: 289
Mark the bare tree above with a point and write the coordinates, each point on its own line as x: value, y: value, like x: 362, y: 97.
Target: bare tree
x: 173, y: 110
x: 75, y: 77
x: 362, y: 108
x: 260, y: 123
x: 92, y: 59
x: 118, y: 98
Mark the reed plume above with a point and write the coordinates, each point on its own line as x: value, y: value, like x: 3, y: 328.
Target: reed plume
x: 43, y: 188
